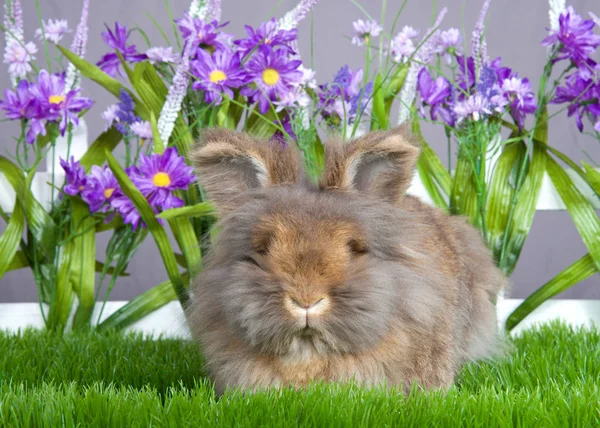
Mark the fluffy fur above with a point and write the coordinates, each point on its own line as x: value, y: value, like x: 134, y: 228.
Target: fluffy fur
x: 347, y: 280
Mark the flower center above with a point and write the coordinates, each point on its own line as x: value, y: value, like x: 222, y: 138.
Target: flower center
x: 108, y: 192
x: 161, y: 179
x: 270, y: 76
x: 217, y: 76
x: 56, y: 99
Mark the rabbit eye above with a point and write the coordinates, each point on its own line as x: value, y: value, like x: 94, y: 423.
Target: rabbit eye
x: 251, y: 261
x: 357, y: 247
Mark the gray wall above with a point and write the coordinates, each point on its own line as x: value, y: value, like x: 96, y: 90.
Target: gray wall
x: 515, y: 29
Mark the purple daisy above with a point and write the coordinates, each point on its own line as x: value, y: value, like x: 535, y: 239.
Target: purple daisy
x: 159, y: 175
x: 110, y: 62
x: 475, y: 107
x: 74, y: 176
x: 18, y: 104
x: 364, y: 31
x: 582, y: 96
x: 449, y: 43
x: 273, y: 73
x: 437, y: 94
x: 403, y: 46
x: 267, y: 34
x: 142, y: 129
x: 101, y: 188
x: 205, y: 34
x: 575, y: 36
x: 217, y: 74
x: 127, y: 210
x: 161, y: 54
x: 521, y: 98
x: 19, y: 56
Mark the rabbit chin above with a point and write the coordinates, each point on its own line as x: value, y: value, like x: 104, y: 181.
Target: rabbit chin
x: 306, y: 346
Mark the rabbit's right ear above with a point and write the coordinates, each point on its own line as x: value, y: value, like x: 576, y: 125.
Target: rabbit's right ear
x: 229, y: 163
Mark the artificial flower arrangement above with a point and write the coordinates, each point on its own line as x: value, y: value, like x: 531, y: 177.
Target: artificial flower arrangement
x: 260, y: 84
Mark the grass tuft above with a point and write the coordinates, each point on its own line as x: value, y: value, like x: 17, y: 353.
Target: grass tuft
x: 551, y: 378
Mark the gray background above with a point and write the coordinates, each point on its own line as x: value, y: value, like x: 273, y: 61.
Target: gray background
x: 515, y: 29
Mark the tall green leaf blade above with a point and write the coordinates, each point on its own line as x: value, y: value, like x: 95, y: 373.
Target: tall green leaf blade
x: 501, y: 193
x: 19, y: 261
x: 593, y: 177
x: 188, y: 243
x: 577, y: 272
x: 83, y: 269
x: 141, y: 306
x: 11, y: 238
x: 432, y: 189
x: 62, y: 294
x: 463, y: 197
x: 582, y: 212
x: 197, y: 210
x: 96, y: 153
x: 380, y: 117
x: 158, y: 232
x: 158, y: 144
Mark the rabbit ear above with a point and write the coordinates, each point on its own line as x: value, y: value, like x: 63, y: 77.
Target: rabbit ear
x: 380, y: 164
x: 229, y: 163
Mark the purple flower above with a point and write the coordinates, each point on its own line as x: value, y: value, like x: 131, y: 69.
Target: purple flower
x: 583, y: 97
x: 217, y: 74
x: 122, y: 113
x: 521, y: 98
x: 597, y: 126
x: 402, y: 46
x: 75, y: 176
x: 78, y: 46
x: 360, y: 103
x: 335, y: 99
x: 161, y: 54
x: 127, y: 210
x: 54, y: 103
x: 575, y: 36
x: 205, y: 34
x: 273, y: 73
x: 110, y: 62
x: 101, y: 188
x: 364, y: 31
x: 53, y: 30
x: 475, y: 107
x: 449, y: 43
x: 110, y: 115
x: 142, y: 129
x: 159, y: 175
x: 18, y: 104
x: 267, y: 34
x: 466, y: 72
x: 437, y: 94
x: 19, y: 57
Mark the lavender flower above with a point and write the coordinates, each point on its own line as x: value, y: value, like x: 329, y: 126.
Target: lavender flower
x: 161, y: 54
x: 273, y: 75
x: 475, y: 107
x: 161, y: 174
x: 18, y: 104
x: 217, y: 74
x: 125, y: 112
x: 100, y: 189
x: 449, y: 43
x: 13, y: 33
x: 53, y: 30
x: 364, y: 31
x: 521, y: 98
x: 479, y: 45
x: 402, y: 46
x: 437, y: 94
x: 78, y: 47
x: 110, y: 62
x: 74, y: 176
x: 110, y: 115
x: 291, y: 19
x: 336, y: 98
x: 267, y: 34
x: 18, y: 56
x: 199, y: 32
x: 576, y: 37
x: 361, y: 102
x: 177, y: 90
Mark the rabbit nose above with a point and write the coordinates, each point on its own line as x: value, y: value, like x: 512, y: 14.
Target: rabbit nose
x: 308, y: 306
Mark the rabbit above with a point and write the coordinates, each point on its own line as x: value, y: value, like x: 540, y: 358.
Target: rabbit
x: 345, y: 280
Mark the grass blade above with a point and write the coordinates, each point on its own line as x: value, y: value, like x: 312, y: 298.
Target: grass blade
x: 577, y: 272
x: 198, y: 210
x: 11, y: 238
x: 96, y: 153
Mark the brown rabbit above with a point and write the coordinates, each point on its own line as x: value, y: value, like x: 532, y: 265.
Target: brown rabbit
x: 348, y: 280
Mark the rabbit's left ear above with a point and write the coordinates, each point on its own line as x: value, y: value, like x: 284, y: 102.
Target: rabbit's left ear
x: 380, y: 164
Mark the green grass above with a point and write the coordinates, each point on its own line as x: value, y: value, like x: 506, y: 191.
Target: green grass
x: 552, y: 378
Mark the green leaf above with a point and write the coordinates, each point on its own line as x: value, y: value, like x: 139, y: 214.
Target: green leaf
x: 39, y: 223
x: 83, y: 268
x: 158, y: 144
x: 463, y: 198
x: 261, y: 125
x: 96, y: 153
x: 184, y: 234
x: 431, y: 166
x: 581, y: 210
x: 158, y: 233
x: 141, y: 306
x: 11, y: 238
x: 380, y: 117
x: 394, y: 85
x: 198, y: 210
x: 501, y: 194
x: 115, y: 223
x: 19, y: 261
x: 62, y: 293
x: 525, y: 204
x: 99, y: 267
x: 593, y: 177
x: 429, y: 184
x: 577, y: 272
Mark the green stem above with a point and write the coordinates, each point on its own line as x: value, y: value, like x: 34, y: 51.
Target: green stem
x: 39, y: 14
x: 364, y: 85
